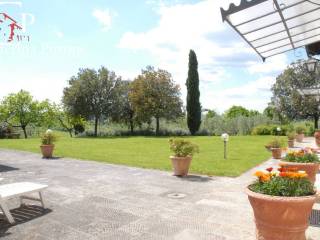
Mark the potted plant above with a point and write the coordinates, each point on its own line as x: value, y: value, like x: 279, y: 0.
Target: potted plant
x: 303, y: 160
x: 291, y: 137
x: 275, y: 146
x: 300, y: 130
x: 317, y: 136
x: 282, y: 201
x: 183, y: 151
x: 47, y: 140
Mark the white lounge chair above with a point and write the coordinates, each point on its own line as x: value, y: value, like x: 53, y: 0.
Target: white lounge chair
x: 9, y: 191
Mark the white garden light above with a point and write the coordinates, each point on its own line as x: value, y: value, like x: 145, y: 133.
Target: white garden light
x: 225, y: 138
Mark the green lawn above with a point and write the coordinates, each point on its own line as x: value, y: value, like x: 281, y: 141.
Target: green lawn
x: 244, y: 152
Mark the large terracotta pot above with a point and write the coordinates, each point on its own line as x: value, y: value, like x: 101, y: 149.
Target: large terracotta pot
x: 281, y: 218
x: 47, y: 150
x: 180, y: 165
x: 317, y: 137
x: 276, y: 153
x: 291, y: 143
x: 300, y: 137
x: 310, y: 168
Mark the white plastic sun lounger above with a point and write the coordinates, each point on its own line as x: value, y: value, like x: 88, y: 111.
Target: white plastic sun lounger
x: 9, y: 191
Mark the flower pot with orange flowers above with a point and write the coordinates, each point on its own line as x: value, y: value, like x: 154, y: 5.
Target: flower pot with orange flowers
x: 300, y: 130
x: 47, y: 146
x: 282, y: 202
x: 302, y: 160
x: 317, y: 137
x: 183, y: 152
x: 275, y: 146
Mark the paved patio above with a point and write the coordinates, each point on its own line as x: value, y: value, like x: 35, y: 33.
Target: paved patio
x: 89, y: 200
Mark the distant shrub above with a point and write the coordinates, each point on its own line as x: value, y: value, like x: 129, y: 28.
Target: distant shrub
x: 79, y: 128
x: 271, y: 130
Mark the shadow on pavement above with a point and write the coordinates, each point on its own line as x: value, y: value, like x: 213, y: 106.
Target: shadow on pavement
x: 195, y: 178
x: 21, y: 215
x: 4, y: 168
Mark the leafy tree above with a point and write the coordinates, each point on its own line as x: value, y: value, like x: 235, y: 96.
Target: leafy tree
x: 154, y: 94
x: 193, y: 95
x: 125, y: 112
x: 20, y: 110
x: 287, y: 98
x: 71, y: 123
x: 92, y: 94
x: 253, y: 113
x: 47, y: 114
x: 236, y: 111
x: 211, y: 114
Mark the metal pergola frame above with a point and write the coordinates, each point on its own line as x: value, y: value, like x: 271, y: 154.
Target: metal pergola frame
x: 278, y: 9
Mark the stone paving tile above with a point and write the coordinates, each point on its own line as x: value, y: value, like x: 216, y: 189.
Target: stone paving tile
x: 90, y: 200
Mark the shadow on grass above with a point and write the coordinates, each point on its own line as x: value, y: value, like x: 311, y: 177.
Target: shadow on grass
x: 4, y: 168
x: 22, y: 214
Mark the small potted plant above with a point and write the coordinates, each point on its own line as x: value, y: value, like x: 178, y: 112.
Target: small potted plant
x: 300, y: 130
x: 183, y: 151
x: 317, y: 136
x: 282, y: 201
x: 47, y: 140
x: 275, y: 146
x: 303, y: 160
x: 291, y: 137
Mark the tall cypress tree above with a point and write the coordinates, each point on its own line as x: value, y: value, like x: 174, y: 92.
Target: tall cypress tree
x: 193, y: 96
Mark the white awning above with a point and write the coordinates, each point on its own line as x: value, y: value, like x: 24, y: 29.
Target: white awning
x: 273, y: 27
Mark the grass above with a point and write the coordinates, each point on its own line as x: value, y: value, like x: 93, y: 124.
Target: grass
x: 244, y: 152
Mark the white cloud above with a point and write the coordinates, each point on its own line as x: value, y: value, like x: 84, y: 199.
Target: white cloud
x: 104, y: 17
x: 59, y: 34
x: 41, y: 85
x: 253, y: 95
x: 275, y: 64
x: 199, y: 26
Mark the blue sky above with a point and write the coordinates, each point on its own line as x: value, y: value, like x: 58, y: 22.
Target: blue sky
x: 126, y: 36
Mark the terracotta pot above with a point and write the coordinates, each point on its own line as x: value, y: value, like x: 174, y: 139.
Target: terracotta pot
x: 300, y: 137
x: 317, y: 137
x: 281, y: 218
x: 276, y: 153
x: 310, y: 168
x: 180, y: 165
x: 47, y: 150
x: 291, y: 143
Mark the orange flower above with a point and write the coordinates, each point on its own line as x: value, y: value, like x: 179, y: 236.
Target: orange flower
x: 263, y: 177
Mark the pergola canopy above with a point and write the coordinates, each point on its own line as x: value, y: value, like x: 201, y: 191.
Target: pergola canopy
x: 273, y: 27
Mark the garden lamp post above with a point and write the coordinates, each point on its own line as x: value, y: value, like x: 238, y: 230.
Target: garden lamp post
x: 312, y: 65
x: 225, y: 138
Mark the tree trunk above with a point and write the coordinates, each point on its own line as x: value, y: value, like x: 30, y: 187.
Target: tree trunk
x: 158, y: 126
x: 131, y: 127
x: 96, y: 121
x: 24, y: 131
x: 316, y: 119
x: 70, y: 132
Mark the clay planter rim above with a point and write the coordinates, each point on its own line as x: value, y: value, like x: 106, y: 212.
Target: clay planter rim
x: 46, y: 145
x: 180, y: 158
x: 297, y: 163
x: 282, y: 198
